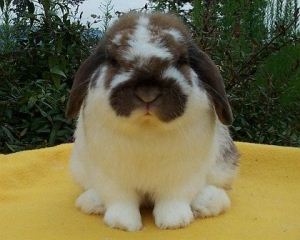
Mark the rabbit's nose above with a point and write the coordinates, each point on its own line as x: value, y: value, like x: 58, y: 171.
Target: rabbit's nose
x: 147, y: 94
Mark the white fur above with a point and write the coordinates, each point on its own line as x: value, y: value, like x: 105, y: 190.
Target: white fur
x: 172, y: 214
x: 222, y: 174
x: 170, y: 161
x: 175, y: 34
x: 140, y: 45
x: 116, y: 156
x: 173, y: 73
x: 90, y: 203
x: 123, y: 215
x: 117, y: 39
x: 120, y: 78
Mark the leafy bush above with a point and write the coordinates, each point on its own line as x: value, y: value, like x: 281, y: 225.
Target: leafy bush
x: 39, y: 54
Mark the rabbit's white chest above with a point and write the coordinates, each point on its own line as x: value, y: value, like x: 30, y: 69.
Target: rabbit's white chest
x: 147, y: 163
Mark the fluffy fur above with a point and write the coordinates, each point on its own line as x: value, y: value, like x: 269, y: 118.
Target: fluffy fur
x: 180, y: 163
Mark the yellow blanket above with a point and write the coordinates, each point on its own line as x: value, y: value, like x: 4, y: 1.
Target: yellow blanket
x: 37, y: 198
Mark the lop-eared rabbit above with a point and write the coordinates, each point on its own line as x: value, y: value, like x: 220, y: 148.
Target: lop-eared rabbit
x: 152, y: 126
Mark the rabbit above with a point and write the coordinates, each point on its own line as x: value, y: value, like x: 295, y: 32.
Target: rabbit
x: 152, y: 126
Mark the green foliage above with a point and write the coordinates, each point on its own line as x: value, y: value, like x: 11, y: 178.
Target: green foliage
x: 261, y: 117
x: 39, y: 54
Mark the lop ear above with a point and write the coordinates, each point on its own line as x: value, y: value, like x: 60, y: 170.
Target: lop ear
x: 82, y: 79
x: 210, y: 77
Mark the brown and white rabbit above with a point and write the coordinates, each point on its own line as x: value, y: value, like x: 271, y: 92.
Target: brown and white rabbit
x: 153, y: 118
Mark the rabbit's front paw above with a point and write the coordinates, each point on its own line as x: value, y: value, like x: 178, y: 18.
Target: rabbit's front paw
x: 211, y: 201
x: 123, y: 216
x: 89, y: 202
x: 172, y: 214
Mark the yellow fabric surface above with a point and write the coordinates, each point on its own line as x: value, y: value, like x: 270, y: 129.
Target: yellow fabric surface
x: 37, y: 197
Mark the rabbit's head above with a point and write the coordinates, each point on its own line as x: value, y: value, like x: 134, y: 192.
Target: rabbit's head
x: 147, y: 68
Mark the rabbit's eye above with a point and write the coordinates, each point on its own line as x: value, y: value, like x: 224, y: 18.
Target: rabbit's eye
x: 113, y: 61
x: 182, y: 60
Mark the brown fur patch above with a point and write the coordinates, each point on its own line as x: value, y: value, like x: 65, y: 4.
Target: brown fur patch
x: 125, y: 22
x: 124, y: 27
x: 82, y: 80
x: 211, y: 79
